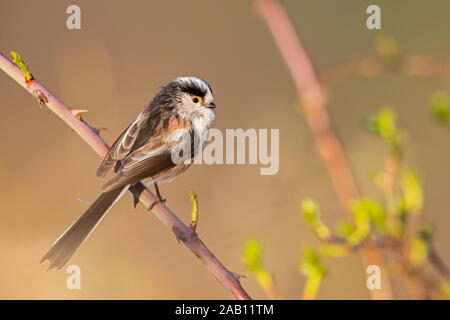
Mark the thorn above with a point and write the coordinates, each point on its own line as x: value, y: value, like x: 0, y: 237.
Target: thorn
x: 238, y: 276
x: 77, y: 113
x: 178, y: 234
x: 41, y: 98
x: 100, y: 129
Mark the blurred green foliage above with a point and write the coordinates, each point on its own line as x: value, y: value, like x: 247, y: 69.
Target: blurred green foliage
x: 253, y: 253
x: 412, y: 201
x: 372, y: 218
x: 389, y: 224
x: 311, y: 213
x: 387, y: 48
x: 334, y: 250
x: 384, y: 125
x: 420, y: 244
x: 311, y: 263
x: 314, y: 270
x: 440, y: 106
x: 367, y: 212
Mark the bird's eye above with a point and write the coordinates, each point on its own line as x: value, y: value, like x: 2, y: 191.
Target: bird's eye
x: 196, y: 99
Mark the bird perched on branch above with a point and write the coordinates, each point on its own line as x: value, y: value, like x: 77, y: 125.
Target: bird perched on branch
x: 171, y: 129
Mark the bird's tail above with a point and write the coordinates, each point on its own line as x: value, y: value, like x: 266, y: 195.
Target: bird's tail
x: 64, y: 247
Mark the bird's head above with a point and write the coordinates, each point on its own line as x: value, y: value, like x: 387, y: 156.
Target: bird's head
x: 187, y: 96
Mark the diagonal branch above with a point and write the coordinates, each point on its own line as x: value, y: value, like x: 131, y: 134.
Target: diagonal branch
x: 314, y: 102
x: 90, y: 135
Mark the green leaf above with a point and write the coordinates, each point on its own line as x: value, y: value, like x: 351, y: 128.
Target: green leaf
x: 387, y: 47
x: 314, y: 270
x: 419, y: 249
x: 387, y: 123
x: 311, y: 263
x: 440, y: 106
x: 334, y: 250
x: 252, y: 255
x: 345, y: 228
x: 367, y: 211
x: 412, y: 192
x: 21, y: 64
x: 384, y: 125
x: 312, y: 215
x: 310, y: 211
x: 253, y: 259
x: 418, y: 252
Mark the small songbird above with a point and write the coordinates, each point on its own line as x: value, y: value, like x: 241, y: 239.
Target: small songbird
x: 146, y: 150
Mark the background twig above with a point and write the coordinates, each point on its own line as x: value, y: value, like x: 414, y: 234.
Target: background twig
x: 314, y: 102
x: 370, y: 67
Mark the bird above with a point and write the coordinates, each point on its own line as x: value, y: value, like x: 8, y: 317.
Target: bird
x: 172, y: 128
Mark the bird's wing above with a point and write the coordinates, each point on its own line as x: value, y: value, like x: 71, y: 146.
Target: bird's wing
x: 122, y: 146
x: 147, y: 161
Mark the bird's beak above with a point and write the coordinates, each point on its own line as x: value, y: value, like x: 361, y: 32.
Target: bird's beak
x: 212, y: 105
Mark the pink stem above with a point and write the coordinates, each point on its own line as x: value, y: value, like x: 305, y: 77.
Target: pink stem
x: 314, y: 103
x: 146, y: 197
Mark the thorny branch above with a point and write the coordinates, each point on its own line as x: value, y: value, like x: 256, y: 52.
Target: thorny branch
x: 91, y: 136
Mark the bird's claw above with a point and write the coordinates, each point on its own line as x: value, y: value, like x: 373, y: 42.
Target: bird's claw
x: 154, y: 203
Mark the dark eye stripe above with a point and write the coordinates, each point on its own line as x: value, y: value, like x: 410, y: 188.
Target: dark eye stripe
x: 194, y: 91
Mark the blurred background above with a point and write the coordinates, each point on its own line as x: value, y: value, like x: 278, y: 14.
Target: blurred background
x: 124, y: 52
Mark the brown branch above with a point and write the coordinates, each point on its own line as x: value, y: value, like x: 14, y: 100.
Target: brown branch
x: 364, y: 67
x: 314, y: 102
x: 91, y: 137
